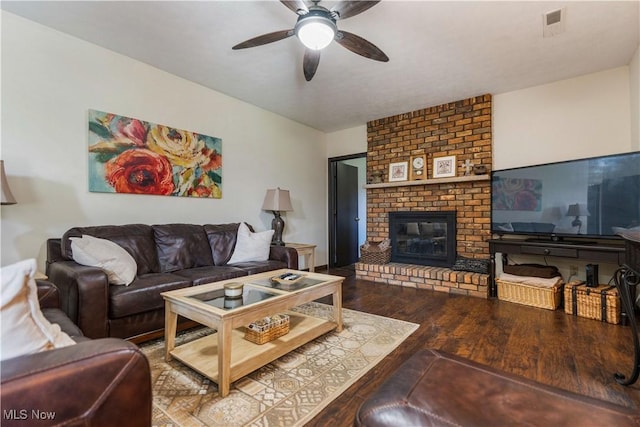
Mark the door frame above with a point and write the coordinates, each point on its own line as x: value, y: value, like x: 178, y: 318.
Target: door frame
x: 332, y: 161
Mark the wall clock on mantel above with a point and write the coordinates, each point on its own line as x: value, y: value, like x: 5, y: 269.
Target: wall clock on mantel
x: 418, y: 168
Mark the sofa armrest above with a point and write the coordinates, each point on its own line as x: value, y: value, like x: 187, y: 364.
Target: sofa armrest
x: 284, y: 254
x: 104, y: 382
x: 48, y: 294
x: 84, y: 295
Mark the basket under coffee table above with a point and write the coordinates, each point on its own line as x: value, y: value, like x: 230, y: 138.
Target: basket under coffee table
x: 261, y: 297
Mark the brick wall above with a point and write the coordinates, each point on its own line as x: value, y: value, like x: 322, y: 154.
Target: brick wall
x: 461, y: 128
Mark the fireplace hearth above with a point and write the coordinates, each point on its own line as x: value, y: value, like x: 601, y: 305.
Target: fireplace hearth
x: 423, y: 237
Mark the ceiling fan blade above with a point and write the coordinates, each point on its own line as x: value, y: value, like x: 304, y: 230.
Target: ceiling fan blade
x: 357, y: 44
x: 347, y: 9
x: 297, y: 6
x: 310, y: 63
x: 264, y: 39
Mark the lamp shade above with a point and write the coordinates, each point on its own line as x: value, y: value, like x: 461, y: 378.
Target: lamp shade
x: 6, y: 196
x: 578, y: 210
x: 277, y: 200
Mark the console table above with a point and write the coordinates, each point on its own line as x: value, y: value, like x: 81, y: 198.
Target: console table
x: 580, y: 250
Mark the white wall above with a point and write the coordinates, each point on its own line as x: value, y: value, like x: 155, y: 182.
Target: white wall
x: 581, y: 117
x: 348, y: 141
x: 50, y: 80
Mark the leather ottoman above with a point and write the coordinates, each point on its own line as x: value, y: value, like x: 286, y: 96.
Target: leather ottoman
x: 433, y: 388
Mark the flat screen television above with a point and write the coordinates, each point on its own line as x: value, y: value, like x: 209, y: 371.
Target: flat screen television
x: 585, y: 198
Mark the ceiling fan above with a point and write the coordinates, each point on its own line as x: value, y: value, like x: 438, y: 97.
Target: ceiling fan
x: 316, y: 28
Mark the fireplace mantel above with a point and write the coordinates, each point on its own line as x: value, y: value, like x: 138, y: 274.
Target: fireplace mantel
x: 466, y: 178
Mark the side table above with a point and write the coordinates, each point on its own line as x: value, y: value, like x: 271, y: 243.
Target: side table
x: 306, y: 250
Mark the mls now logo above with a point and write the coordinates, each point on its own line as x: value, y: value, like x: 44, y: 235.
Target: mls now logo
x: 24, y: 414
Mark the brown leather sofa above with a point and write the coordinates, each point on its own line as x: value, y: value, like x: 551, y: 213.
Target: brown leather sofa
x: 168, y: 257
x: 433, y: 388
x: 103, y: 382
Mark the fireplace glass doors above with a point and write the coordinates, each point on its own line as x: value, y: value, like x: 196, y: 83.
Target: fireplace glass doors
x: 423, y: 238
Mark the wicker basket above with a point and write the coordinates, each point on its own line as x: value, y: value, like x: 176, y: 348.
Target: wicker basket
x: 601, y: 303
x: 267, y: 329
x: 375, y: 253
x: 535, y: 296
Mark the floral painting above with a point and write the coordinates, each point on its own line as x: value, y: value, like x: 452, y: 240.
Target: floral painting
x: 517, y: 194
x: 128, y: 155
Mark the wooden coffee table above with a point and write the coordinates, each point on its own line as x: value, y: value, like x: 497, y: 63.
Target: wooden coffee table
x: 237, y: 357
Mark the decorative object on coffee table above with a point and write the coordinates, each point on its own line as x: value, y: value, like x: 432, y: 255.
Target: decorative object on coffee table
x: 267, y: 329
x: 288, y: 278
x: 444, y: 167
x: 277, y: 201
x: 233, y: 289
x: 398, y: 171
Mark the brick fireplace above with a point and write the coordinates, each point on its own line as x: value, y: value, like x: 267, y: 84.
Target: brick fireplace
x: 462, y: 129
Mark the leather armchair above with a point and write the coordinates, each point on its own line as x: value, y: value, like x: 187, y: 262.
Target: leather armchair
x: 102, y: 382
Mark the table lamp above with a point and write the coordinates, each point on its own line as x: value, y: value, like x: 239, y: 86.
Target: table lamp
x: 577, y: 210
x: 6, y: 197
x: 277, y: 201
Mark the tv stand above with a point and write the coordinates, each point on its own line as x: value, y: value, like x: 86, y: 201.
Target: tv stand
x: 611, y: 253
x: 562, y: 240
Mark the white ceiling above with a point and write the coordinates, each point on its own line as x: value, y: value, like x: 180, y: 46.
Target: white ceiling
x: 440, y: 51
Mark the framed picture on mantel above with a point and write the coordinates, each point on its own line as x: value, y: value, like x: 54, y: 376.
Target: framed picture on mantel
x: 444, y: 166
x: 398, y: 171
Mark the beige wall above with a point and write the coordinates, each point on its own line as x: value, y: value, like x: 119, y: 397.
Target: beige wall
x: 581, y: 117
x: 348, y: 141
x: 50, y: 80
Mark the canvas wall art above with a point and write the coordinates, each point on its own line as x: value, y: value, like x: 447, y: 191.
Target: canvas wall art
x: 517, y: 194
x: 128, y: 155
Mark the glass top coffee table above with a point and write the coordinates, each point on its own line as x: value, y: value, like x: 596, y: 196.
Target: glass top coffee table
x: 261, y: 297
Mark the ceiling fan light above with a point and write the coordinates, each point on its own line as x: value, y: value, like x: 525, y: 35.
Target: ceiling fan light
x: 316, y: 33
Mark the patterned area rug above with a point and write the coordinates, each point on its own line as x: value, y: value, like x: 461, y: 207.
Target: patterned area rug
x: 287, y: 392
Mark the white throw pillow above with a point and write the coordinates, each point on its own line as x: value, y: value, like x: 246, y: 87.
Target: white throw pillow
x: 251, y: 246
x: 24, y: 328
x: 119, y: 265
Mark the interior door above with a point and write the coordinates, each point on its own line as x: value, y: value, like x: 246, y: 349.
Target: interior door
x: 346, y: 215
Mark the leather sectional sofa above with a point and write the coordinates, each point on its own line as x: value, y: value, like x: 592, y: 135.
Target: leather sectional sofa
x: 102, y: 382
x: 168, y: 257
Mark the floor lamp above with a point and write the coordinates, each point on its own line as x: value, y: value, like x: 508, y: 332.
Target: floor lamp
x: 277, y: 201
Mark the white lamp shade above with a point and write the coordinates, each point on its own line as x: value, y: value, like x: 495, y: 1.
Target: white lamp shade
x: 277, y: 200
x: 6, y: 196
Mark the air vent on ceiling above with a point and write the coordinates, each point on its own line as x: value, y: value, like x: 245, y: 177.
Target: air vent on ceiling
x: 553, y: 22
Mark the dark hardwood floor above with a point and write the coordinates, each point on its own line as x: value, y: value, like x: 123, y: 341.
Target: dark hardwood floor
x: 572, y: 353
